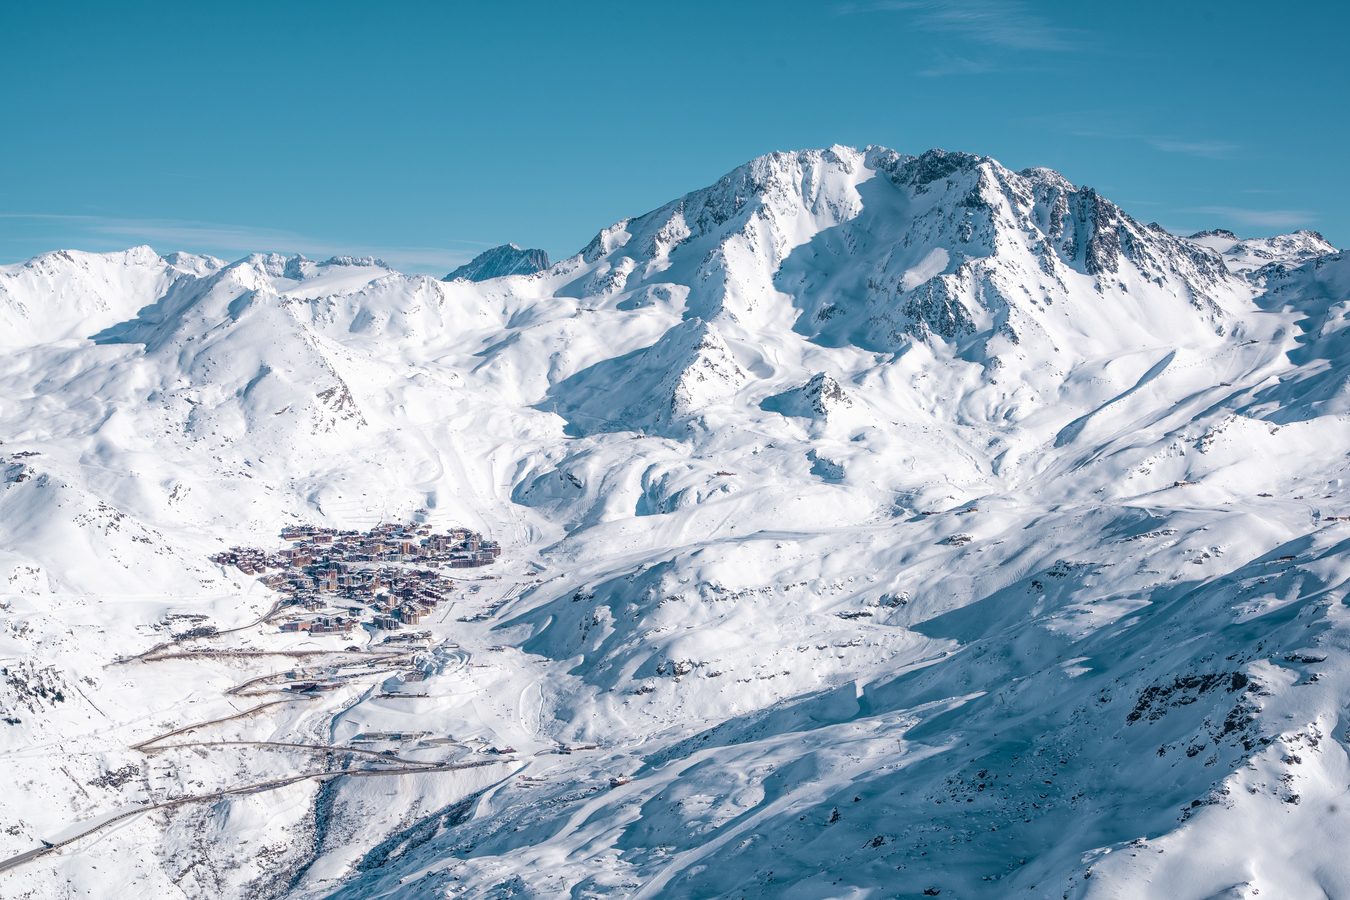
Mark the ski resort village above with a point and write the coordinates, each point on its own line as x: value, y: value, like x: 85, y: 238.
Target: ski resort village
x: 329, y: 630
x: 349, y: 578
x: 861, y: 525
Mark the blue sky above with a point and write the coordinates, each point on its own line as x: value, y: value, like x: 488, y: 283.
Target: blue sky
x: 425, y: 132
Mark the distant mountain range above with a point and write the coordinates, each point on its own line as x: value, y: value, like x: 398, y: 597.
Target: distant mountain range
x: 872, y: 524
x: 508, y: 259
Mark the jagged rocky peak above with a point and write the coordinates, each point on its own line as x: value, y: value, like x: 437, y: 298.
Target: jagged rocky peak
x: 877, y: 248
x: 508, y: 259
x: 781, y: 182
x: 818, y: 398
x: 966, y: 251
x: 777, y: 188
x: 1049, y: 177
x: 369, y: 261
x: 936, y: 165
x: 824, y: 393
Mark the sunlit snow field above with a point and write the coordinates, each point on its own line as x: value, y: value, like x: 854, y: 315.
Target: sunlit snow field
x: 874, y: 526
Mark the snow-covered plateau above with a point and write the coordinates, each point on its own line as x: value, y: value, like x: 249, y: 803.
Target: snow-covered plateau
x: 873, y: 526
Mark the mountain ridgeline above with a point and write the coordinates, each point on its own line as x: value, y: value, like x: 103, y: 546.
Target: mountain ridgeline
x: 869, y: 524
x: 508, y: 259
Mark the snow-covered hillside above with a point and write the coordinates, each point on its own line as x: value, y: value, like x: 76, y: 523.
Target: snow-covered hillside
x: 1253, y: 253
x: 874, y: 525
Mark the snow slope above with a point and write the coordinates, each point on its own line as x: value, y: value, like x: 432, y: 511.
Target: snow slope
x: 876, y: 525
x: 1252, y: 253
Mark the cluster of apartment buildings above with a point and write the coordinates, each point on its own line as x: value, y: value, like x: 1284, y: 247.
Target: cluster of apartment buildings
x: 377, y: 577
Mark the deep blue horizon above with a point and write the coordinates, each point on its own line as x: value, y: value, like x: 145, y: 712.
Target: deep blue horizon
x: 425, y: 133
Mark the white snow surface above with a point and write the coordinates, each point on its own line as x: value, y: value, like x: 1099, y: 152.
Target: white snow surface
x: 875, y: 525
x: 1247, y: 255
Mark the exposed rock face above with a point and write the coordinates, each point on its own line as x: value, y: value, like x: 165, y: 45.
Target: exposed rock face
x: 880, y: 249
x: 871, y: 523
x: 508, y: 259
x: 816, y: 399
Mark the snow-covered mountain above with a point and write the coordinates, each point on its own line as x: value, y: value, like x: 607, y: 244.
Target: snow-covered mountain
x: 1247, y: 255
x: 872, y: 525
x: 69, y: 294
x: 508, y: 259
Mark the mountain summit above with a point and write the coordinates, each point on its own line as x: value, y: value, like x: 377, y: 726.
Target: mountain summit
x: 508, y: 259
x: 869, y: 524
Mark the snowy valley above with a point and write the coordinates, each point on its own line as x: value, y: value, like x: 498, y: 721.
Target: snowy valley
x: 870, y: 525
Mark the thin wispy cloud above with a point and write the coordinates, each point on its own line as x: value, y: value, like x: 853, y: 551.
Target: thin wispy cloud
x: 1264, y: 218
x: 957, y: 65
x: 238, y: 240
x: 1207, y: 149
x: 1009, y: 24
x: 1101, y: 125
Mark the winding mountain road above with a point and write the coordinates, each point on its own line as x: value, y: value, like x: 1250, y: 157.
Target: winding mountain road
x: 28, y: 856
